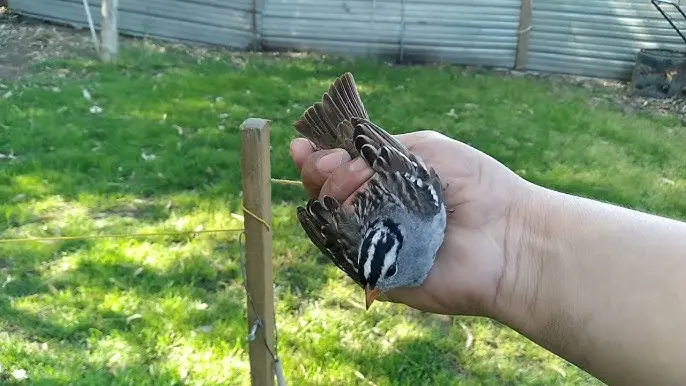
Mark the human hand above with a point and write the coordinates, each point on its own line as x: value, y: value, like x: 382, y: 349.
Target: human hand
x: 480, y: 194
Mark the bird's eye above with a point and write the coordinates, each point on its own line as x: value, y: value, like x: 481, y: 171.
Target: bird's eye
x: 391, y: 270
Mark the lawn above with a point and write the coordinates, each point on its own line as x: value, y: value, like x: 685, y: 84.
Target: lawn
x: 162, y: 154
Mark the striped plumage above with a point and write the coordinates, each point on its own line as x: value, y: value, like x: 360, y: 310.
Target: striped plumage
x: 390, y: 237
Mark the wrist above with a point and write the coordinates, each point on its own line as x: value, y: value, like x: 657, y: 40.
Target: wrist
x: 547, y: 292
x: 532, y: 242
x: 596, y: 284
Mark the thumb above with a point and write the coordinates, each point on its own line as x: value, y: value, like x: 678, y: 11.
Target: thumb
x: 346, y: 179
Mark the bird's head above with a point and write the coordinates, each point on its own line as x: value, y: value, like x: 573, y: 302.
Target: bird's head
x: 398, y: 251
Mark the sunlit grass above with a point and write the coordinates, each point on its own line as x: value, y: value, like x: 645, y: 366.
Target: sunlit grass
x: 163, y: 155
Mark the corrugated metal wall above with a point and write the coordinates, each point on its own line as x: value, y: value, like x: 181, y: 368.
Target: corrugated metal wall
x: 357, y: 27
x: 584, y: 37
x: 460, y: 32
x: 207, y: 21
x: 597, y: 37
x: 464, y: 32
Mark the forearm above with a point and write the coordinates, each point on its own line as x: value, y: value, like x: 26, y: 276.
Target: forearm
x: 602, y: 286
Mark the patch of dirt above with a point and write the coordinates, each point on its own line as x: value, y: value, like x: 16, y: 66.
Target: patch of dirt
x: 24, y: 40
x: 616, y: 94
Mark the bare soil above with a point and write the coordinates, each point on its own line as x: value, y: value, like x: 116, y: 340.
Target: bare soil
x: 24, y: 41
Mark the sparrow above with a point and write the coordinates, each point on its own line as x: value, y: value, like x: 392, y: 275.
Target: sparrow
x: 390, y: 234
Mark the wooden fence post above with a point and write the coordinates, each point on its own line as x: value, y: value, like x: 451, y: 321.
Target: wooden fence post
x: 109, y: 30
x: 523, y: 35
x: 258, y: 249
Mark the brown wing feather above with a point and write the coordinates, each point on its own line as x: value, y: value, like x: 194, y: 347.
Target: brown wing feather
x: 327, y: 123
x: 335, y: 121
x: 378, y: 136
x: 321, y: 224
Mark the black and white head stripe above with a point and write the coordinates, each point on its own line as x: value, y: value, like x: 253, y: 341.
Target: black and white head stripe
x: 379, y: 250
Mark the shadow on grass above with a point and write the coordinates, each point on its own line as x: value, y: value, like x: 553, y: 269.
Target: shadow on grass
x: 44, y: 329
x: 78, y: 310
x: 412, y: 359
x: 88, y: 375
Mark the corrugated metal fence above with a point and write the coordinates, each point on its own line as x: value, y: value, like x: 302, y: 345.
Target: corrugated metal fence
x: 463, y: 32
x: 219, y: 22
x: 584, y: 37
x: 598, y: 38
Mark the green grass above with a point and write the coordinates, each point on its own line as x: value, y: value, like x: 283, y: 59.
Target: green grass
x: 171, y: 310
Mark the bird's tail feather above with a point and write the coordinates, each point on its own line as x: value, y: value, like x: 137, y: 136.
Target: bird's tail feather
x: 327, y: 123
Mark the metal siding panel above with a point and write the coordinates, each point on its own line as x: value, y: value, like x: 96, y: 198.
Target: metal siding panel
x: 320, y: 29
x: 469, y: 3
x: 340, y: 47
x: 337, y: 10
x: 433, y: 30
x: 463, y: 32
x: 223, y: 17
x: 450, y: 31
x: 458, y: 15
x: 208, y: 21
x: 354, y: 27
x: 596, y: 38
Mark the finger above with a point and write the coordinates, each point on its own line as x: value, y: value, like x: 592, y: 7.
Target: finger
x: 411, y: 140
x: 415, y: 298
x: 318, y: 168
x: 301, y: 149
x: 346, y: 179
x: 408, y: 139
x: 402, y: 295
x: 411, y: 297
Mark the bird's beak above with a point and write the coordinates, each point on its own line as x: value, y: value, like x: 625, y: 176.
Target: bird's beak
x: 370, y: 295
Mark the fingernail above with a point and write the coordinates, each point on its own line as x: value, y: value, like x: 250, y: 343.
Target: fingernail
x: 357, y: 165
x: 331, y: 161
x: 295, y: 142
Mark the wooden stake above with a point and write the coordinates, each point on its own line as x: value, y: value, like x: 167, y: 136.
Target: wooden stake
x: 523, y: 35
x: 258, y: 249
x: 109, y: 30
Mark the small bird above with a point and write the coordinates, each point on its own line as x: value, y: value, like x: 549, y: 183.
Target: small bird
x: 390, y: 236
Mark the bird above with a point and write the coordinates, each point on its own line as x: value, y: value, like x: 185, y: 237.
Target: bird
x: 389, y: 236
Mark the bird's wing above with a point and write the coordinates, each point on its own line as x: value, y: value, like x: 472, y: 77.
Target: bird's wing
x: 323, y: 222
x: 401, y: 174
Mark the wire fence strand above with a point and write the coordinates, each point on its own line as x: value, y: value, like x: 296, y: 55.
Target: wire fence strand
x: 115, y: 235
x: 277, y: 181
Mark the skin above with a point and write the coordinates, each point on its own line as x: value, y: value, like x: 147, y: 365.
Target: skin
x: 599, y: 285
